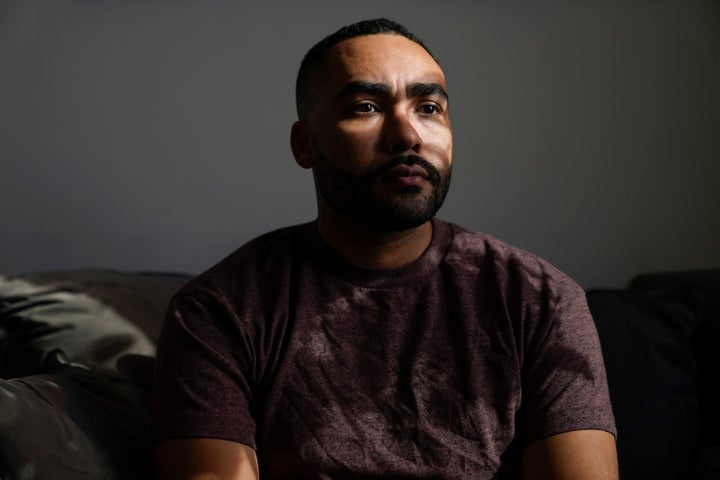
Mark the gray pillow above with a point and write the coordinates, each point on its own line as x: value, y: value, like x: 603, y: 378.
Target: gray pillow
x: 76, y: 358
x: 95, y: 317
x: 38, y: 319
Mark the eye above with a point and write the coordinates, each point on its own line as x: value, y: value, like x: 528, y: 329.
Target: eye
x: 428, y: 109
x: 364, y: 107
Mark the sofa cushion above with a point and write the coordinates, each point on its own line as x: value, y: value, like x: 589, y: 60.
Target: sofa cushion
x: 74, y: 423
x: 93, y: 317
x: 139, y: 297
x: 705, y: 345
x: 653, y: 378
x: 76, y: 362
x: 705, y: 340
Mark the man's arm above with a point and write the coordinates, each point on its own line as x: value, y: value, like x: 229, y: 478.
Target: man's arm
x: 205, y: 459
x: 576, y: 455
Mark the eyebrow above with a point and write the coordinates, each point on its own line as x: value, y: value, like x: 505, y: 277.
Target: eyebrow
x: 428, y: 90
x: 383, y: 89
x: 369, y: 88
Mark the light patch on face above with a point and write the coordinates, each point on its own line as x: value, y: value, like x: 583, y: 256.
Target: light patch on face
x: 355, y: 150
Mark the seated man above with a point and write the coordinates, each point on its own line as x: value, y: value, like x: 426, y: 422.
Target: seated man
x: 379, y: 341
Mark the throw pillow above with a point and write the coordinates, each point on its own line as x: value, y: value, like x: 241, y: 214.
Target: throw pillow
x: 652, y: 376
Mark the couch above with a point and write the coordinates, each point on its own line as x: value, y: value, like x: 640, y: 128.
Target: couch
x: 658, y: 337
x: 106, y: 324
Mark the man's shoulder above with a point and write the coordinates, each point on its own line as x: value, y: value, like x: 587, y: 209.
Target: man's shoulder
x: 472, y: 243
x: 499, y: 258
x: 266, y: 253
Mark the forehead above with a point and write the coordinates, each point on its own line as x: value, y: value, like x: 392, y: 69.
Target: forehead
x: 386, y: 58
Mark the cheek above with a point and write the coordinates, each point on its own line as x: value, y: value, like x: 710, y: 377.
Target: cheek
x: 440, y: 144
x: 347, y: 147
x: 450, y: 148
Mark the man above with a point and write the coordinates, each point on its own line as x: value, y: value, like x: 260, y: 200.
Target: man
x: 377, y: 341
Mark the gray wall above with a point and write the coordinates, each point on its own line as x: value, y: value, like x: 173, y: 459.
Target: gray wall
x: 153, y: 135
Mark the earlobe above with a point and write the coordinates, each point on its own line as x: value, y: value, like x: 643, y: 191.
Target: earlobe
x: 300, y: 145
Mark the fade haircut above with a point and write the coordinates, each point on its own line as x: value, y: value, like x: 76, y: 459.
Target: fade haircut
x: 315, y: 57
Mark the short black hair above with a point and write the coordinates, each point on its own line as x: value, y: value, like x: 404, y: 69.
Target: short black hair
x: 318, y: 53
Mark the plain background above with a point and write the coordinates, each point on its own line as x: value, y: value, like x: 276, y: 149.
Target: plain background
x: 153, y: 135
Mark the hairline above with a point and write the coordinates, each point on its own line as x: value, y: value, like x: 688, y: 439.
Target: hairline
x: 316, y: 58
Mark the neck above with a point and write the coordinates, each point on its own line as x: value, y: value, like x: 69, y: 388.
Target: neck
x: 371, y: 248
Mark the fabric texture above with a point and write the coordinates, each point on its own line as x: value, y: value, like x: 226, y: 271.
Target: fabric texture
x: 704, y: 342
x: 442, y: 368
x: 38, y: 319
x: 76, y: 360
x: 139, y: 298
x: 653, y: 378
x: 74, y: 423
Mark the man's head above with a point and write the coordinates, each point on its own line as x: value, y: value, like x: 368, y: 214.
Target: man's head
x: 311, y: 66
x: 374, y: 126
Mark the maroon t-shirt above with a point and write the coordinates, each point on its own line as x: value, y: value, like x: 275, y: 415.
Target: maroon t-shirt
x: 443, y: 368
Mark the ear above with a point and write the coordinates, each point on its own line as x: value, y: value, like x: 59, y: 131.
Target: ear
x: 300, y: 145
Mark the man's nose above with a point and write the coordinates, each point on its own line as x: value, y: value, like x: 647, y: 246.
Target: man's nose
x: 400, y: 134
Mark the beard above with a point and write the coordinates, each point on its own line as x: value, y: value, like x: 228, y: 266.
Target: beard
x: 356, y: 197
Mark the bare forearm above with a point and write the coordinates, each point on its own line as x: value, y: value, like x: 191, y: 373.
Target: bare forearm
x: 578, y: 455
x: 205, y: 459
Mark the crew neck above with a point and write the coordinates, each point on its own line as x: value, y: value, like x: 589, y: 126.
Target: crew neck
x: 370, y: 277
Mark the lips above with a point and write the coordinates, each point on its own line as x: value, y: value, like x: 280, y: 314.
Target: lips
x: 406, y: 171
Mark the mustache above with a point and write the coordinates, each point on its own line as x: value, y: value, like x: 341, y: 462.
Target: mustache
x: 409, y: 160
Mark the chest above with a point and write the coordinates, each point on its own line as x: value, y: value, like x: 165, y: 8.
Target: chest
x: 411, y: 380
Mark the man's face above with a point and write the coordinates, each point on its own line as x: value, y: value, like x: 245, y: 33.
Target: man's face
x: 380, y: 133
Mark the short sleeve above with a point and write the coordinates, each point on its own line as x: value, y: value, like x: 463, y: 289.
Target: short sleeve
x: 203, y: 378
x: 564, y: 379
